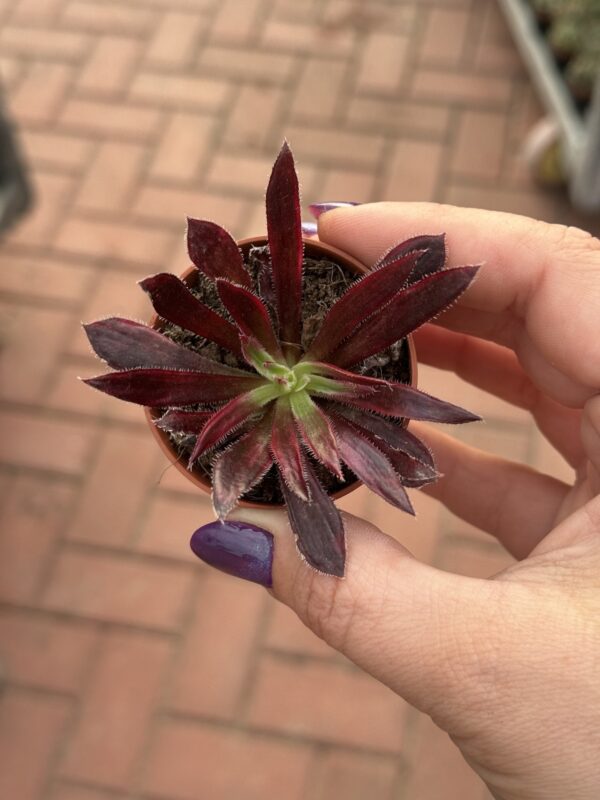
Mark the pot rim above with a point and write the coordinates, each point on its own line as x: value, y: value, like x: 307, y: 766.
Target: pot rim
x: 195, y: 476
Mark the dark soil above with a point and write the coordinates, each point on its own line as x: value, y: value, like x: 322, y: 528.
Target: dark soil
x: 324, y: 282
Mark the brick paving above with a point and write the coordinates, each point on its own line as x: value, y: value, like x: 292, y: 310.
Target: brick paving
x: 131, y: 672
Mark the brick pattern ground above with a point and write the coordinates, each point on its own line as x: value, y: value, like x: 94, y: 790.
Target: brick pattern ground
x: 129, y: 670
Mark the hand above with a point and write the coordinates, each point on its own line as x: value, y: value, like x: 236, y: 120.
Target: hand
x: 509, y: 667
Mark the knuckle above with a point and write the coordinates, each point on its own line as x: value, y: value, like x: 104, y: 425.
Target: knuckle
x: 326, y: 605
x: 570, y: 241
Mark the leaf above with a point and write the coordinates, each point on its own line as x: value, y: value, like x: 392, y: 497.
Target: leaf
x: 170, y: 387
x: 173, y: 301
x: 399, y: 400
x: 408, y: 310
x: 286, y: 449
x: 359, y: 302
x: 177, y: 421
x: 285, y: 245
x: 250, y: 315
x: 318, y: 526
x: 125, y: 344
x: 215, y: 253
x: 431, y: 259
x: 240, y: 467
x: 316, y: 432
x: 370, y: 465
x: 229, y: 418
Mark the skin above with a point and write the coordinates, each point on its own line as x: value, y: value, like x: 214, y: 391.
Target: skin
x: 510, y: 666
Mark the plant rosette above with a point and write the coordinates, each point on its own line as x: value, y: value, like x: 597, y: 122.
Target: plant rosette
x: 273, y: 396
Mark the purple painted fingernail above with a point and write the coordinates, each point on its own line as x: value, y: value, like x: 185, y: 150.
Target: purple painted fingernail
x: 316, y: 209
x: 236, y: 548
x: 309, y: 228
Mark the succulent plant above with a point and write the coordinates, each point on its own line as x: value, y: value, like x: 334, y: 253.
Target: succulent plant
x: 288, y: 406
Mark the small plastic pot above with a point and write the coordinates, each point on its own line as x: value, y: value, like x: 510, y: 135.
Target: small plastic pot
x: 315, y: 250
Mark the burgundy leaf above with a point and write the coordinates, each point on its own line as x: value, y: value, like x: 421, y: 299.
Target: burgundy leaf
x: 398, y: 400
x: 229, y: 418
x: 432, y: 257
x: 408, y: 310
x: 173, y: 301
x: 315, y: 431
x: 318, y: 526
x: 370, y: 465
x: 249, y: 314
x: 361, y: 300
x: 125, y: 344
x: 286, y: 449
x: 215, y: 253
x: 285, y: 245
x: 170, y: 387
x: 240, y: 467
x: 177, y: 421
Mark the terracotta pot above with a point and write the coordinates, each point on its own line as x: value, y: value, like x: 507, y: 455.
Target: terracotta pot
x: 313, y: 249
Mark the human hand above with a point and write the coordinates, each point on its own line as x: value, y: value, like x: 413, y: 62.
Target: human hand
x: 509, y: 667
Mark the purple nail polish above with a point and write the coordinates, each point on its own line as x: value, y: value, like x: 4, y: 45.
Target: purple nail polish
x: 309, y: 228
x: 316, y: 209
x: 237, y: 548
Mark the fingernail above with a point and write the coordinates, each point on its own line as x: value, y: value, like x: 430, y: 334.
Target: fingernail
x: 309, y: 228
x: 237, y: 548
x: 316, y: 209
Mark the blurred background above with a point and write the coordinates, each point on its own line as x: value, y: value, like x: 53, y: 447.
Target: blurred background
x: 129, y: 671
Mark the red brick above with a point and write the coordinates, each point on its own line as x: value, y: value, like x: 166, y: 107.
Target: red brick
x: 413, y: 171
x: 298, y: 37
x: 112, y: 177
x: 317, y: 99
x: 114, y: 119
x: 43, y: 652
x: 52, y: 194
x: 64, y: 791
x: 378, y: 114
x: 170, y: 522
x: 24, y: 370
x: 126, y: 465
x: 10, y: 71
x: 382, y: 62
x: 235, y: 21
x: 246, y: 63
x: 41, y: 443
x: 43, y: 42
x: 117, y: 709
x: 39, y: 276
x: 30, y: 732
x: 245, y: 173
x: 183, y: 147
x: 45, y: 149
x: 186, y: 756
x: 112, y: 240
x: 253, y: 116
x: 32, y: 519
x: 335, y: 146
x: 479, y: 144
x: 213, y: 666
x: 348, y: 184
x: 174, y: 205
x: 467, y: 88
x: 109, y: 66
x: 117, y: 589
x: 445, y: 36
x: 286, y: 632
x: 438, y: 769
x: 41, y: 92
x: 327, y: 703
x: 36, y: 11
x: 527, y: 201
x: 103, y: 16
x: 354, y: 776
x: 175, y: 40
x: 180, y: 91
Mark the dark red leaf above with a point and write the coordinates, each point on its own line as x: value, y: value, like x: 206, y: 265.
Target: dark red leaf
x: 240, y: 467
x: 318, y: 526
x: 285, y: 245
x: 125, y: 344
x: 316, y: 432
x: 361, y: 300
x: 398, y: 400
x: 170, y: 387
x: 250, y: 315
x: 177, y: 421
x: 173, y: 301
x: 215, y: 253
x: 286, y: 449
x: 431, y: 259
x: 408, y: 310
x: 370, y: 465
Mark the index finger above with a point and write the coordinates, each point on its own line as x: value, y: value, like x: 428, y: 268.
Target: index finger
x: 546, y: 277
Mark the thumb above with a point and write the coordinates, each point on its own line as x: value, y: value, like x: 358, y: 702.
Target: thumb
x: 416, y: 629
